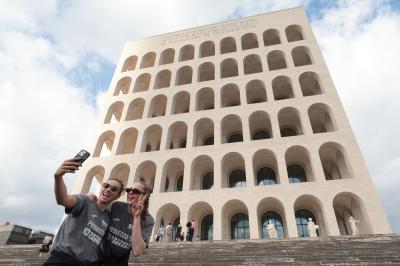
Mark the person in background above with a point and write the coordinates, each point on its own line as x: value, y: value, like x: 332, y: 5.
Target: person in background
x: 191, y: 229
x: 178, y: 233
x: 81, y: 235
x: 188, y: 226
x: 160, y: 233
x: 130, y: 226
x: 47, y: 241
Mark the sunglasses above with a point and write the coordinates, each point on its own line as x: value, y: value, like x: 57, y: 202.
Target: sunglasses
x: 112, y: 188
x: 134, y: 191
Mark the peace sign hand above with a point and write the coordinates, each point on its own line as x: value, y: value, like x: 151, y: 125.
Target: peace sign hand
x: 137, y: 208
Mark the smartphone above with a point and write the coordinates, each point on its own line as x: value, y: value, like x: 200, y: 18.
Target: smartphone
x: 83, y: 154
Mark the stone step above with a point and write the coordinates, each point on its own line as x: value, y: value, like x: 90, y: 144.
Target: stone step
x: 362, y: 250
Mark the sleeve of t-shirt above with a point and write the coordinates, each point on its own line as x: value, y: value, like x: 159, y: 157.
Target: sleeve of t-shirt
x: 81, y: 201
x: 148, y: 228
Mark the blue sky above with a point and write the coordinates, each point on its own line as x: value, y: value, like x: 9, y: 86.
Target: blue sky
x: 57, y: 59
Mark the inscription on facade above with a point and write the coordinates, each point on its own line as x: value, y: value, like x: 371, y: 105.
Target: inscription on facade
x: 209, y: 31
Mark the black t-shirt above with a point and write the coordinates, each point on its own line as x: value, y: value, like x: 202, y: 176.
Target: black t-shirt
x: 82, y: 233
x: 119, y: 235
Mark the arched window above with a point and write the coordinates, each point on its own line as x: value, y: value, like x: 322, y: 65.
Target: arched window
x: 203, y: 129
x: 261, y: 135
x: 123, y: 86
x: 104, y: 144
x: 282, y: 88
x: 289, y: 122
x: 179, y: 184
x: 237, y: 137
x: 296, y: 174
x: 240, y: 226
x: 151, y: 137
x: 237, y: 178
x: 148, y: 60
x: 320, y: 118
x: 276, y: 220
x: 181, y: 103
x: 114, y: 113
x: 252, y: 64
x: 310, y: 84
x: 163, y: 79
x: 184, y: 75
x: 205, y: 99
x: 301, y: 56
x: 127, y: 142
x: 276, y: 60
x: 157, y: 106
x: 294, y: 33
x: 167, y: 56
x: 271, y: 37
x: 207, y: 181
x: 135, y: 109
x: 186, y: 53
x: 228, y: 45
x: 202, y: 173
x: 333, y: 161
x: 130, y: 63
x: 229, y: 68
x: 177, y: 134
x: 230, y: 95
x: 142, y: 82
x: 255, y: 92
x: 302, y: 216
x: 207, y: 49
x: 266, y: 176
x: 249, y: 41
x: 207, y: 228
x: 231, y: 129
x: 206, y: 72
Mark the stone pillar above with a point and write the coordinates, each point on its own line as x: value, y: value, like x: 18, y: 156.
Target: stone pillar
x: 217, y: 223
x: 290, y: 219
x: 253, y: 224
x: 330, y: 221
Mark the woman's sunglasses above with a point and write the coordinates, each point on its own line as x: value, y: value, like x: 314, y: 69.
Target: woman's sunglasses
x: 134, y: 191
x: 112, y: 188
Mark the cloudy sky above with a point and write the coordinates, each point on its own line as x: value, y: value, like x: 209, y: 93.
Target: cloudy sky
x: 57, y: 59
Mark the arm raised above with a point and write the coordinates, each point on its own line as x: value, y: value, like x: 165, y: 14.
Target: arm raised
x: 60, y: 190
x: 138, y: 244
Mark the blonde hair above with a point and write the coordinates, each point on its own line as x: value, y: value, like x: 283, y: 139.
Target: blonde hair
x: 145, y: 211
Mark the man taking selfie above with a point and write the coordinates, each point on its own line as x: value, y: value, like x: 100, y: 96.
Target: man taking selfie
x: 81, y: 235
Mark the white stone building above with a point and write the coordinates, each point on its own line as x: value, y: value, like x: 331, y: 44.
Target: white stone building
x: 235, y: 124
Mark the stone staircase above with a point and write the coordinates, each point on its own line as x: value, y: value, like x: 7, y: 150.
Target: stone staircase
x: 342, y: 250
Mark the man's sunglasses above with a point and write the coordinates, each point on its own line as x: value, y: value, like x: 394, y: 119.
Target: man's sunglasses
x: 112, y: 188
x: 134, y: 191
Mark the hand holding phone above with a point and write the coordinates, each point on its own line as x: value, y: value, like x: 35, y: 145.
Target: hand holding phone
x: 83, y: 154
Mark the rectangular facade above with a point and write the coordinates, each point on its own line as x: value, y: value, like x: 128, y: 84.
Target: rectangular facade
x: 235, y: 124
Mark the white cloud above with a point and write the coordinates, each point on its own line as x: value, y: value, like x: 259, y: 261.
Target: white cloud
x: 103, y: 28
x: 45, y: 118
x: 360, y: 43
